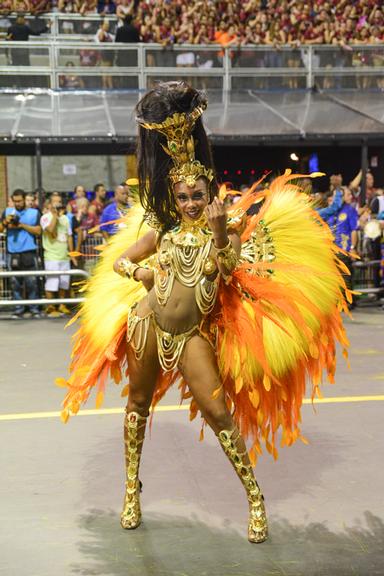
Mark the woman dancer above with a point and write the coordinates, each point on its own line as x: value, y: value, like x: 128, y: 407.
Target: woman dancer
x: 234, y: 307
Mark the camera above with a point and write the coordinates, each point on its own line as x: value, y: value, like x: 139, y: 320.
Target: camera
x: 15, y: 219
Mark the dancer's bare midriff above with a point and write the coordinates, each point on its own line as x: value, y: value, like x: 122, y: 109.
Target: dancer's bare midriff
x: 180, y: 313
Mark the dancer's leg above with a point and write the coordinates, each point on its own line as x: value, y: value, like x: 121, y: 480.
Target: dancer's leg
x: 143, y: 374
x: 200, y: 371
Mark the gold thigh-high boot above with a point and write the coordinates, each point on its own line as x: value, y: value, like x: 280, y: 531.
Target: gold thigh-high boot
x: 134, y: 431
x: 257, y: 527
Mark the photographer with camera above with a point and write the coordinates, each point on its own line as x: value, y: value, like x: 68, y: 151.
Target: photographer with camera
x: 21, y: 225
x: 57, y: 243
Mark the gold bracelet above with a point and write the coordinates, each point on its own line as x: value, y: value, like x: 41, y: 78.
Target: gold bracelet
x: 127, y: 268
x: 227, y: 256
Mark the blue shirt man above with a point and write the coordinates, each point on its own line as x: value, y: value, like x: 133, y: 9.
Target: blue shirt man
x: 333, y: 209
x: 19, y: 238
x: 22, y: 227
x: 116, y: 210
x: 343, y: 224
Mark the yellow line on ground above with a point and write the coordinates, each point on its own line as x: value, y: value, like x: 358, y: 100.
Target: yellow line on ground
x: 346, y: 399
x: 173, y: 408
x: 365, y: 351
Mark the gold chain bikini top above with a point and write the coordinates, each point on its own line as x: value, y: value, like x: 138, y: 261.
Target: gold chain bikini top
x: 184, y: 255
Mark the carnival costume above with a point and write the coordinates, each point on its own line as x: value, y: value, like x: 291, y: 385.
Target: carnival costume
x: 272, y: 321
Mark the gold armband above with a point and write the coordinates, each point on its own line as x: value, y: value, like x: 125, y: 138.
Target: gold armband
x: 227, y: 256
x: 127, y: 268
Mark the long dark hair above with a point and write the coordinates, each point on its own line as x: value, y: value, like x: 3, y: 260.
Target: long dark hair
x: 153, y: 163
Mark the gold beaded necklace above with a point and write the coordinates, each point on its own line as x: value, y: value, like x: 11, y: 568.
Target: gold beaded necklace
x: 185, y: 255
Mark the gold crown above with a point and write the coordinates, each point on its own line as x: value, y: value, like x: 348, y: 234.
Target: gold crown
x: 181, y: 147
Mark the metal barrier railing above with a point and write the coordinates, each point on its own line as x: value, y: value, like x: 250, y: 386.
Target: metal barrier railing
x: 364, y: 283
x: 89, y: 250
x: 5, y: 288
x: 70, y: 27
x: 41, y: 301
x: 61, y: 25
x: 366, y: 276
x: 72, y: 65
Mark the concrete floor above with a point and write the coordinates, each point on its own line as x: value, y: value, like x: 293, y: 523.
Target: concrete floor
x: 61, y: 486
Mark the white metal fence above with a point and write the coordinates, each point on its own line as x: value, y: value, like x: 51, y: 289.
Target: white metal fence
x: 5, y: 285
x: 365, y: 276
x: 89, y: 249
x: 74, y: 64
x: 6, y: 294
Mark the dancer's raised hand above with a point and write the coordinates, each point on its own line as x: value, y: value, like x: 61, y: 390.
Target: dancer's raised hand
x: 216, y: 213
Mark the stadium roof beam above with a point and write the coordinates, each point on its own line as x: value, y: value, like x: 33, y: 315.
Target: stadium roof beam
x: 65, y: 119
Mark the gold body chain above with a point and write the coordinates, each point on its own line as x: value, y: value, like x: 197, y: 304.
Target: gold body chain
x: 187, y: 254
x: 169, y: 346
x: 184, y: 255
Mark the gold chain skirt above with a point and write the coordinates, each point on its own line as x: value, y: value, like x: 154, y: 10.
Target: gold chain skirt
x: 169, y: 346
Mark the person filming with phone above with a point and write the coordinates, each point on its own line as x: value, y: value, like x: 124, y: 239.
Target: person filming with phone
x: 57, y: 244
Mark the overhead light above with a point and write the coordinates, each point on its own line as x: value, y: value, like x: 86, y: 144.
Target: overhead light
x: 294, y: 157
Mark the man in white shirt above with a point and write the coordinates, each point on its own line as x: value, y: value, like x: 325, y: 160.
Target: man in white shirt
x: 57, y: 243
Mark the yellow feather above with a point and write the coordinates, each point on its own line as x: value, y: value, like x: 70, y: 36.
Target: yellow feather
x: 61, y: 382
x: 304, y: 439
x: 64, y: 416
x: 109, y: 296
x: 125, y: 391
x: 238, y: 384
x: 267, y: 383
x: 324, y: 339
x: 99, y: 399
x: 248, y: 308
x: 254, y: 398
x: 216, y: 393
x: 313, y: 350
x: 318, y: 392
x: 316, y: 174
x: 236, y: 363
x: 306, y: 249
x: 75, y: 407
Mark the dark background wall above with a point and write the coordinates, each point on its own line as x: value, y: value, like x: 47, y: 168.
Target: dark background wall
x: 251, y: 162
x: 236, y: 164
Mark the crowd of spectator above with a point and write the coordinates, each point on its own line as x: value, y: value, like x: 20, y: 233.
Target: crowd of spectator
x: 358, y: 225
x: 67, y: 229
x: 231, y: 22
x: 63, y: 234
